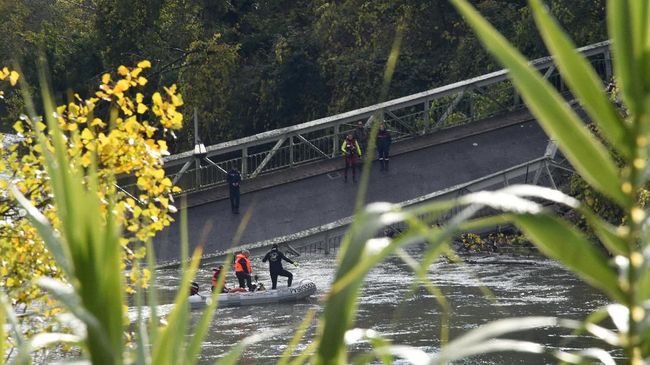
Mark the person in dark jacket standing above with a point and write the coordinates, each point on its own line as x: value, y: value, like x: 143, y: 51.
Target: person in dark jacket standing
x: 361, y: 135
x: 243, y: 270
x: 275, y: 257
x: 351, y: 150
x: 234, y: 178
x: 383, y: 146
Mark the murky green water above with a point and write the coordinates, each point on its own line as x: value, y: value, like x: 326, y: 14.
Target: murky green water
x: 519, y: 285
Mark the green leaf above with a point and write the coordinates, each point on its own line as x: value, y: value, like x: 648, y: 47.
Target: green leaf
x: 605, y: 231
x: 560, y: 241
x: 584, y: 152
x: 625, y: 58
x: 583, y: 80
x: 68, y: 297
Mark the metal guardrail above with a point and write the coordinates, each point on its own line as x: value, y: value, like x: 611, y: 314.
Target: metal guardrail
x: 547, y: 171
x: 422, y: 113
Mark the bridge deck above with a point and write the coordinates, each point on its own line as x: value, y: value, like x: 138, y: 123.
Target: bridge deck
x: 309, y: 196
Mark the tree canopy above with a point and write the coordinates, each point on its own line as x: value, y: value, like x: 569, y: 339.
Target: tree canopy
x: 249, y: 66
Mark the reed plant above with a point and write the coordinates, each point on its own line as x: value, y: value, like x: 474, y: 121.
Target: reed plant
x: 621, y: 273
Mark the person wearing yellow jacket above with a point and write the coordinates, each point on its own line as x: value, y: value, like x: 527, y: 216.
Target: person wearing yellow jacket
x: 351, y: 150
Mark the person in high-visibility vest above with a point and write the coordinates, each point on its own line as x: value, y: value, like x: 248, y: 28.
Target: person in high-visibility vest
x: 243, y: 270
x: 351, y: 150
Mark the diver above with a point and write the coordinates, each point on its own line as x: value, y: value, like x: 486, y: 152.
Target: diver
x: 275, y: 257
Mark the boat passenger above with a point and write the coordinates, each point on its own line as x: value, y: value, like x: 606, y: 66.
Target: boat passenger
x: 194, y: 289
x: 275, y: 257
x: 243, y: 270
x: 259, y: 286
x: 216, y: 277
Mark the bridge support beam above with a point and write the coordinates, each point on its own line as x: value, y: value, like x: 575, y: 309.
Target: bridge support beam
x: 310, y: 145
x: 268, y: 157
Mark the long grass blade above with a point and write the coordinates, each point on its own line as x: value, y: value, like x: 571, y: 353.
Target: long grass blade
x: 201, y: 329
x: 625, y: 61
x: 3, y: 334
x: 141, y: 336
x: 67, y: 296
x: 583, y: 80
x: 457, y: 348
x: 169, y: 347
x: 295, y: 340
x: 233, y: 355
x: 22, y: 358
x: 639, y: 23
x: 586, y: 154
x: 152, y: 296
x: 605, y: 231
x: 341, y: 306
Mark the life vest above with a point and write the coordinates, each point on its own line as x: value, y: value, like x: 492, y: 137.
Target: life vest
x: 238, y: 267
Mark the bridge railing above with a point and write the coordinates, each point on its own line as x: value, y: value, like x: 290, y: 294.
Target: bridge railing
x: 422, y: 113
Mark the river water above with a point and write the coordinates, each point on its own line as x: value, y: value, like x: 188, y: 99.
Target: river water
x: 518, y: 285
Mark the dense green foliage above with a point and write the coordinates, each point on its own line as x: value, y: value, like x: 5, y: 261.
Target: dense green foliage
x: 250, y: 66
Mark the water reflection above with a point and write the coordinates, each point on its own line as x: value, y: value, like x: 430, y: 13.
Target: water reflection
x: 518, y: 286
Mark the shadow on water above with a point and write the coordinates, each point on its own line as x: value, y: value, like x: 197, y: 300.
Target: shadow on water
x: 522, y: 286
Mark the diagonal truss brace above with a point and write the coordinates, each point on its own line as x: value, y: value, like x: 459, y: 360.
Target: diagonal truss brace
x: 268, y: 157
x: 450, y: 108
x: 311, y: 145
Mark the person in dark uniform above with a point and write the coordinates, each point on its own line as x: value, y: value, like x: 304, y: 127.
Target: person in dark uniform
x: 361, y: 135
x: 275, y: 257
x: 243, y: 270
x: 351, y: 150
x: 234, y: 178
x: 383, y: 146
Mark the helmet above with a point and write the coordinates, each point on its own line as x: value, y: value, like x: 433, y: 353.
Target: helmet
x: 245, y: 252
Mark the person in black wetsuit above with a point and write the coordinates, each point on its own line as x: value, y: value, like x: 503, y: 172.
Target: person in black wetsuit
x: 234, y: 179
x: 275, y: 257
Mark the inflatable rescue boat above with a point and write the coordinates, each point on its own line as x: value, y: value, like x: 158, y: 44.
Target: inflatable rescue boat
x: 280, y: 295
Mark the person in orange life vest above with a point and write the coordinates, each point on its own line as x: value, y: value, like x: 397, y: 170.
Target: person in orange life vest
x: 225, y: 288
x: 351, y: 150
x: 243, y: 270
x: 216, y: 278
